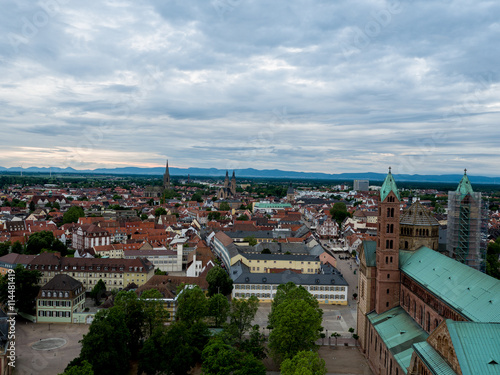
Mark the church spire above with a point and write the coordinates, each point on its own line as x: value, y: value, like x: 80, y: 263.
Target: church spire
x: 388, y: 186
x: 166, y: 177
x: 464, y: 187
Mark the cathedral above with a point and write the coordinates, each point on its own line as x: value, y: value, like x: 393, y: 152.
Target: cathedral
x: 419, y: 311
x: 229, y: 189
x: 157, y: 191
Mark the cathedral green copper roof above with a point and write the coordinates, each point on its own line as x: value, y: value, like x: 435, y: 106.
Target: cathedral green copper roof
x: 476, y: 345
x: 470, y: 292
x: 388, y: 186
x: 432, y: 359
x: 464, y: 187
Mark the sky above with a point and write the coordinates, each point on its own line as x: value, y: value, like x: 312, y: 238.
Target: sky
x: 313, y: 86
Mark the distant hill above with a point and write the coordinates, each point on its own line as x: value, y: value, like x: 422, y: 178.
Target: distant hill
x: 256, y: 173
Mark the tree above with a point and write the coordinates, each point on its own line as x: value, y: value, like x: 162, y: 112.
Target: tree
x: 290, y: 291
x: 214, y: 215
x: 218, y: 308
x: 304, y: 363
x: 72, y: 215
x: 38, y: 241
x: 4, y: 248
x: 224, y: 206
x: 251, y: 240
x: 255, y: 344
x: 154, y: 311
x: 296, y: 321
x: 197, y: 197
x: 135, y: 318
x: 192, y: 305
x: 492, y: 263
x: 220, y: 358
x: 26, y: 287
x: 174, y: 350
x: 339, y: 212
x: 17, y: 247
x: 242, y: 217
x: 336, y: 335
x: 160, y: 211
x: 241, y: 315
x: 219, y: 281
x: 83, y: 368
x: 98, y: 291
x: 32, y: 206
x: 105, y: 346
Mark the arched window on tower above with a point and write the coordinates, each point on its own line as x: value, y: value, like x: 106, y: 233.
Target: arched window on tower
x: 392, y: 212
x: 388, y: 212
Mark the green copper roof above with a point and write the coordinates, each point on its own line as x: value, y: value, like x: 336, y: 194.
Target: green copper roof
x: 464, y: 187
x: 477, y: 346
x: 388, y: 186
x: 399, y: 332
x: 432, y: 359
x: 472, y: 293
x: 370, y: 248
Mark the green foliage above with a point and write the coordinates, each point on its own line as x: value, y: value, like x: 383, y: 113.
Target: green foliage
x: 4, y: 248
x: 492, y: 263
x: 220, y: 358
x: 116, y: 197
x: 214, y: 215
x: 339, y: 212
x: 174, y: 350
x: 160, y: 272
x: 135, y: 318
x: 160, y: 211
x: 224, y: 206
x: 72, y: 215
x: 98, y: 291
x: 192, y: 305
x: 241, y: 315
x: 38, y: 241
x: 83, y: 368
x: 32, y: 206
x: 218, y: 309
x: 219, y: 281
x: 197, y: 197
x: 17, y: 247
x: 155, y: 314
x: 251, y: 240
x: 255, y: 344
x: 296, y: 321
x: 105, y: 346
x: 144, y: 217
x: 26, y: 288
x: 242, y: 217
x: 304, y: 363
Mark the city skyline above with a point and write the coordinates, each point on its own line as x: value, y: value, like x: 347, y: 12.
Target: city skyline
x: 312, y: 87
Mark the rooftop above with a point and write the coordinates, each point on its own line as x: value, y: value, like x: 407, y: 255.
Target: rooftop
x: 472, y: 293
x: 399, y: 332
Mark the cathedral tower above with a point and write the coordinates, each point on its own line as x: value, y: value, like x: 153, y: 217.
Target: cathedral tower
x: 387, y: 252
x: 226, y: 180
x: 233, y: 185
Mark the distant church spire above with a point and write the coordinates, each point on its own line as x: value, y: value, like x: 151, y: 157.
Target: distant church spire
x: 166, y: 178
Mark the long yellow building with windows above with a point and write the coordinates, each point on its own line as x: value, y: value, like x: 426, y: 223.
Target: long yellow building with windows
x: 115, y: 273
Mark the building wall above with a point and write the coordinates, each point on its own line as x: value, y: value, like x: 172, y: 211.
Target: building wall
x: 49, y: 306
x: 379, y: 357
x: 331, y: 295
x: 264, y: 266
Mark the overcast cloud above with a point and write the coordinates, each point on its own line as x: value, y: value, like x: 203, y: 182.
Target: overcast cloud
x: 326, y: 86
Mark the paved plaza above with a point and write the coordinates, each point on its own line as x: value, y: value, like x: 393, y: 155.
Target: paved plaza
x: 46, y: 349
